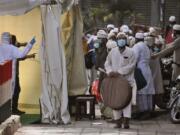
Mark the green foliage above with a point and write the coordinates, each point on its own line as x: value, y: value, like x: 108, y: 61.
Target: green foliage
x: 110, y: 11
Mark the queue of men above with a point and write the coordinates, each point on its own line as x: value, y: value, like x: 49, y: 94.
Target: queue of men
x: 121, y: 50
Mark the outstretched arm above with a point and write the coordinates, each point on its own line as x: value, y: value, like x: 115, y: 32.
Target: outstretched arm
x: 169, y: 48
x: 28, y: 57
x: 21, y: 54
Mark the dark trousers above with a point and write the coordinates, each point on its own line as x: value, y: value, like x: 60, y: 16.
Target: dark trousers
x: 15, y: 98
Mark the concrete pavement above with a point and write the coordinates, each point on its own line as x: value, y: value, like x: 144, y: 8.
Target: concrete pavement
x: 156, y: 126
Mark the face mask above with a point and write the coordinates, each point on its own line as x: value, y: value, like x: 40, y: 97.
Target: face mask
x: 121, y: 43
x: 99, y: 41
x: 156, y: 49
x: 96, y: 45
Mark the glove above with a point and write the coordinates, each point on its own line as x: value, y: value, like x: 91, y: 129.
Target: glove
x: 33, y: 40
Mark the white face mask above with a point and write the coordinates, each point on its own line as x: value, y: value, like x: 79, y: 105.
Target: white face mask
x: 121, y: 42
x: 96, y: 45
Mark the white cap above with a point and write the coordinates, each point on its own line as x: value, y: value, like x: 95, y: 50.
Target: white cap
x: 130, y: 31
x: 139, y: 35
x: 5, y: 37
x: 146, y: 34
x: 116, y: 30
x: 111, y: 34
x: 152, y: 31
x: 110, y: 26
x: 121, y: 34
x: 111, y: 44
x: 172, y: 19
x: 176, y: 27
x: 124, y: 28
x: 102, y: 34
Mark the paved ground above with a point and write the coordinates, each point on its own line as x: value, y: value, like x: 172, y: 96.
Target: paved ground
x: 156, y: 126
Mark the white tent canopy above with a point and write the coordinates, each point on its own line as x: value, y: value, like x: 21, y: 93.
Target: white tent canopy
x: 17, y: 7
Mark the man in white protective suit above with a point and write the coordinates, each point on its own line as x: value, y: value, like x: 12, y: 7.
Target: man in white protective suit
x: 9, y: 52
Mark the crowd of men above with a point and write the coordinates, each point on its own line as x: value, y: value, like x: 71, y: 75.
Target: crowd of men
x: 121, y: 49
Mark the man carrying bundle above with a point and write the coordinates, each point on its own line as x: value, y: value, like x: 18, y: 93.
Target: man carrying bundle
x: 121, y: 61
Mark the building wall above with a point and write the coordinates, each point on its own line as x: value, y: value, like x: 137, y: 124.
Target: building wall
x: 172, y: 7
x: 143, y: 7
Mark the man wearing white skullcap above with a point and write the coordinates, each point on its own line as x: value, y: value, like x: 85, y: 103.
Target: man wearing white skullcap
x: 10, y: 52
x: 102, y: 34
x: 124, y: 28
x: 121, y: 60
x: 101, y: 54
x: 169, y: 29
x: 175, y: 48
x: 111, y: 41
x: 116, y: 30
x: 144, y: 95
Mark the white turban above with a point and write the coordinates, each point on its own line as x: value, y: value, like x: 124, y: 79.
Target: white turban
x: 110, y: 26
x: 139, y: 35
x: 111, y: 44
x: 176, y: 27
x: 5, y: 37
x: 172, y: 19
x: 102, y: 34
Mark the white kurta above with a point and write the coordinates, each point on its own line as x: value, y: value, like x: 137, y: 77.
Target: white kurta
x: 10, y: 52
x: 142, y: 53
x: 123, y: 63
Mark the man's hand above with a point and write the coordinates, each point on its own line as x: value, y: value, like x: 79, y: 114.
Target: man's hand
x: 33, y: 55
x: 33, y: 40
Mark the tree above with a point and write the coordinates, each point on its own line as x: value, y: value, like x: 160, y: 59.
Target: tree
x: 111, y: 11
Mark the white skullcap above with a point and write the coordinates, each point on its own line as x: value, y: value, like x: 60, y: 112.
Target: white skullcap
x: 102, y: 34
x: 172, y: 19
x: 110, y: 26
x: 111, y: 44
x: 88, y: 35
x: 176, y: 27
x: 146, y: 34
x: 124, y: 28
x: 121, y: 34
x: 130, y: 31
x: 152, y: 31
x: 111, y: 34
x: 139, y: 35
x: 116, y: 30
x: 91, y: 38
x: 5, y: 37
